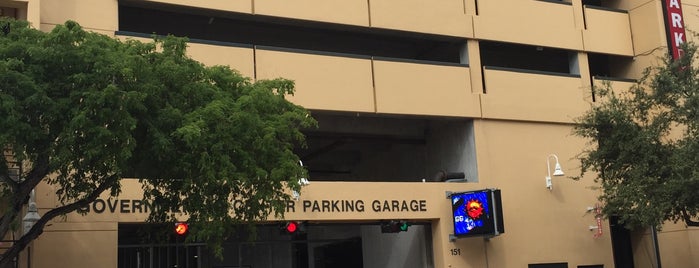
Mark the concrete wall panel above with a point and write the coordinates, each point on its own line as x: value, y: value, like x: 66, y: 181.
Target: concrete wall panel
x: 85, y: 248
x: 447, y: 18
x: 333, y: 11
x: 238, y: 58
x: 538, y: 222
x: 413, y: 88
x: 648, y: 27
x: 242, y: 6
x: 535, y: 97
x: 528, y: 22
x: 322, y: 82
x: 90, y: 14
x: 607, y: 32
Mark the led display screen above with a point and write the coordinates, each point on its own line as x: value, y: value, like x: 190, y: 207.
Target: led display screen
x: 477, y: 213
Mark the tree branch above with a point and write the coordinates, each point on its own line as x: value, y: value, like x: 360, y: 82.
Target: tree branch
x: 8, y: 215
x: 38, y: 228
x: 38, y: 172
x: 688, y: 219
x: 6, y: 178
x: 6, y: 175
x: 20, y: 194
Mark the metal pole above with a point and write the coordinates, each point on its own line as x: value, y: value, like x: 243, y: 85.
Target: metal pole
x: 14, y: 240
x: 177, y: 251
x: 654, y: 233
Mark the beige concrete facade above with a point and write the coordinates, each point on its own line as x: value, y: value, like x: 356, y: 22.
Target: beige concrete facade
x: 518, y: 118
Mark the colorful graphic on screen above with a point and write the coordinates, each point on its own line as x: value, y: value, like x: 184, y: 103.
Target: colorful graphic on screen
x: 474, y: 209
x: 472, y: 213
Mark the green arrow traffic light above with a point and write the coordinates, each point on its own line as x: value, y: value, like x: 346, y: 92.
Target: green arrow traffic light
x: 403, y: 226
x: 394, y: 226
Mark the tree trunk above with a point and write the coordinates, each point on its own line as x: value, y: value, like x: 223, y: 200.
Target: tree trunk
x: 38, y: 228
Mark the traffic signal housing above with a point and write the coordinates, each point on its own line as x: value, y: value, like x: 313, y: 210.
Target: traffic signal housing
x: 293, y: 227
x: 394, y: 226
x: 181, y: 228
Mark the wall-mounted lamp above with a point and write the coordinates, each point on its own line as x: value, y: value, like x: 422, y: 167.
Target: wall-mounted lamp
x: 32, y: 215
x: 557, y: 171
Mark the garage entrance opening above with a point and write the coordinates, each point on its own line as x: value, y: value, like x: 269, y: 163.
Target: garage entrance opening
x: 319, y: 245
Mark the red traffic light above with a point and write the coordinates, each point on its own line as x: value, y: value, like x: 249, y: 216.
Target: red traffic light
x: 181, y: 228
x: 291, y: 227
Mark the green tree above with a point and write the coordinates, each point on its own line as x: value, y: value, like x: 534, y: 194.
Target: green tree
x: 80, y: 111
x: 645, y: 145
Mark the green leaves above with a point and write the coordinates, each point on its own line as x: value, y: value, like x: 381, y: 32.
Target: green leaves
x: 205, y: 141
x: 645, y: 145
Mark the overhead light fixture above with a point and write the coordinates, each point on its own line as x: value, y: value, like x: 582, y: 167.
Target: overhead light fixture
x: 450, y: 176
x: 557, y: 171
